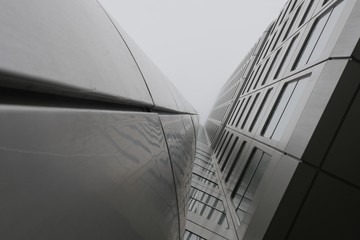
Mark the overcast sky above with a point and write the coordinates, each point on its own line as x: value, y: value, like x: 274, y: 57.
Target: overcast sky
x: 196, y: 43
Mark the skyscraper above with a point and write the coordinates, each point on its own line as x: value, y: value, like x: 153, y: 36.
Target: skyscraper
x: 282, y: 135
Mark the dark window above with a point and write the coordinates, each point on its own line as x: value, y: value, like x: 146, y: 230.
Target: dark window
x: 250, y: 110
x: 261, y: 73
x: 249, y: 181
x: 292, y: 23
x: 192, y: 236
x: 306, y: 12
x: 236, y: 116
x: 318, y: 36
x: 283, y: 109
x: 243, y: 110
x: 207, y: 206
x: 233, y: 112
x: 271, y: 66
x: 259, y: 110
x: 219, y: 150
x: 204, y: 180
x: 233, y: 165
x: 293, y: 6
x: 229, y: 154
x: 288, y: 50
x: 225, y: 148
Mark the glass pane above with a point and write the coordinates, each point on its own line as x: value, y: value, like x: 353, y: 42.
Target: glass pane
x: 312, y: 40
x: 330, y: 25
x: 275, y: 117
x: 289, y: 110
x: 257, y: 177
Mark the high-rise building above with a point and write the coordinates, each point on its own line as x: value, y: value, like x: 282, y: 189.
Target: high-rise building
x: 282, y: 137
x: 96, y: 143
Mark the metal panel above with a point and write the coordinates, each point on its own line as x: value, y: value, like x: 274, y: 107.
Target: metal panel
x: 67, y: 47
x: 345, y: 144
x: 180, y: 138
x: 84, y: 174
x: 331, y: 211
x: 156, y: 81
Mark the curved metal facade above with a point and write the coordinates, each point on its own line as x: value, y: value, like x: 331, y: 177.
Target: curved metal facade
x: 89, y: 146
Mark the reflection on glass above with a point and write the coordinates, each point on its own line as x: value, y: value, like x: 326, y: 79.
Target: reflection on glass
x: 325, y: 36
x: 192, y: 236
x: 289, y: 110
x: 207, y: 206
x: 312, y: 40
x: 249, y: 182
x: 284, y: 109
x: 279, y: 108
x: 319, y: 36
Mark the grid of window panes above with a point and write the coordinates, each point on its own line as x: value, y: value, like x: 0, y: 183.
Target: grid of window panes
x: 192, y: 236
x: 208, y: 206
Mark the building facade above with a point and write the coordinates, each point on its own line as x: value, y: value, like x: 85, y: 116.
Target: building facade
x: 95, y: 142
x: 282, y: 135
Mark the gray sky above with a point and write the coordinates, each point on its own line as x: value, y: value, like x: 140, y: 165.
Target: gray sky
x: 196, y: 43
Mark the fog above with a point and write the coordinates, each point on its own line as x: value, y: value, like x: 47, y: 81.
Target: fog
x: 196, y: 43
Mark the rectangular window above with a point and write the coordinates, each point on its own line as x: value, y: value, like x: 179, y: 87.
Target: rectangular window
x: 261, y: 73
x: 192, y: 236
x: 318, y: 36
x: 207, y: 206
x: 203, y: 169
x: 204, y: 180
x: 271, y: 66
x: 249, y: 111
x: 259, y: 110
x: 233, y: 112
x: 249, y: 181
x: 283, y: 109
x: 233, y: 164
x: 288, y: 50
x: 243, y: 110
x: 236, y: 116
x: 229, y: 154
x: 292, y: 22
x: 225, y: 148
x: 219, y: 150
x: 306, y: 12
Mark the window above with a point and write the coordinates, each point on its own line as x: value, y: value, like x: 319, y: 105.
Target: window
x: 203, y: 169
x: 192, y: 236
x: 318, y: 36
x: 229, y: 153
x: 306, y: 13
x: 233, y: 164
x: 288, y: 50
x: 225, y: 148
x: 283, y: 109
x: 242, y: 111
x: 250, y: 110
x: 204, y: 180
x: 219, y: 150
x: 260, y: 109
x: 271, y: 66
x: 261, y: 73
x: 249, y: 181
x: 292, y: 23
x: 207, y: 206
